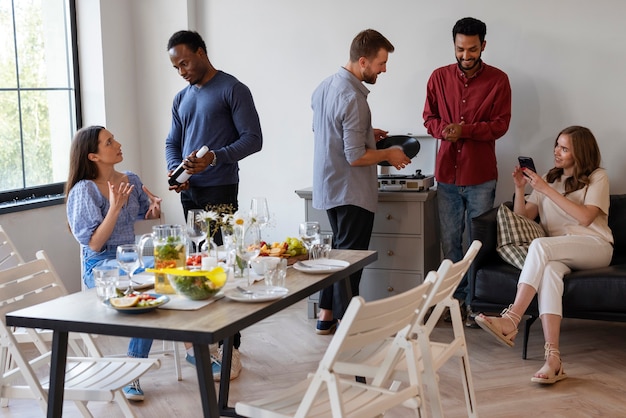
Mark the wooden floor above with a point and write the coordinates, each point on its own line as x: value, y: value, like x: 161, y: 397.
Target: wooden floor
x: 281, y: 350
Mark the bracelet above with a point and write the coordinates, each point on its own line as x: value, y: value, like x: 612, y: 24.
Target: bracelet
x: 214, y: 161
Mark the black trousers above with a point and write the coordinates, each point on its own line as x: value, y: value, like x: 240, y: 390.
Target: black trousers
x: 199, y: 198
x: 352, y: 229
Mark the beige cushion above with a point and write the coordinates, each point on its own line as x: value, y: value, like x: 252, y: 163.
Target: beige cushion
x: 515, y: 233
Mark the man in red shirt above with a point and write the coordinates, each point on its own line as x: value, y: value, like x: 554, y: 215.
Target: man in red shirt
x: 468, y: 107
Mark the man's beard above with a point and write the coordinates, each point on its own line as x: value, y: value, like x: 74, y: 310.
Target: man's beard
x: 369, y: 78
x: 477, y: 62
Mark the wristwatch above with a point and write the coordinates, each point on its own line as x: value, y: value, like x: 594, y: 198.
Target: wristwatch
x: 214, y: 161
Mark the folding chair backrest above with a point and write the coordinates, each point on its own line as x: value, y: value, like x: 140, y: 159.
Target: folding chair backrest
x: 450, y: 275
x: 374, y: 321
x: 28, y: 284
x: 9, y: 256
x: 365, y: 324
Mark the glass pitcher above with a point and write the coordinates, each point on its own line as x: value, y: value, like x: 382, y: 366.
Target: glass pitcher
x: 170, y: 250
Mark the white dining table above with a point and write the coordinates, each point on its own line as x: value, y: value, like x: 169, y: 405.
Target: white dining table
x: 218, y: 321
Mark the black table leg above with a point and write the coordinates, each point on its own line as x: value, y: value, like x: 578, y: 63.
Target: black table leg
x: 227, y: 356
x: 205, y: 381
x: 57, y: 374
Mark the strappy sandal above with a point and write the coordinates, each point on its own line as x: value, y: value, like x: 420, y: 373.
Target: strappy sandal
x: 553, y: 376
x: 495, y: 329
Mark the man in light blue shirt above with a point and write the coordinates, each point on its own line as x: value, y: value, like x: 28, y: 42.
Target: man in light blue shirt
x: 345, y: 158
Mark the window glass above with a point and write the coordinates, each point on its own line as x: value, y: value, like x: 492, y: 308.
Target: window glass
x: 37, y: 97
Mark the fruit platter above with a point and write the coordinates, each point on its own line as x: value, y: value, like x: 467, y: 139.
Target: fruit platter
x: 292, y: 248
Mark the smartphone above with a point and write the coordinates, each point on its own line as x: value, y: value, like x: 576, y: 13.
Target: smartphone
x: 527, y: 162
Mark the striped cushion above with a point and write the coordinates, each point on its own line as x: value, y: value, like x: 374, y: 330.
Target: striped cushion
x: 515, y: 234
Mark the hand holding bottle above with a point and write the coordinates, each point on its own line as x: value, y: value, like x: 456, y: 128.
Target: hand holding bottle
x: 180, y: 175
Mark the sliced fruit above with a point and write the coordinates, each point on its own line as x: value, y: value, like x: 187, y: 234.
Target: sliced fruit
x: 124, y: 302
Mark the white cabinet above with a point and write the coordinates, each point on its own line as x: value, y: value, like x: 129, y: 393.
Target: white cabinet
x: 405, y: 235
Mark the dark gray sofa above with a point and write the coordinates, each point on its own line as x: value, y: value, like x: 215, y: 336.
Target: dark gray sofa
x: 590, y: 294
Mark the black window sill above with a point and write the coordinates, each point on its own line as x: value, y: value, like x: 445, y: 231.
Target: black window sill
x: 31, y: 203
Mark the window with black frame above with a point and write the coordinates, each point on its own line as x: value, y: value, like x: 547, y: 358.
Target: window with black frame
x: 39, y: 100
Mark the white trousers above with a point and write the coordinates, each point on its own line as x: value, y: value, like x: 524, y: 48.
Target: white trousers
x: 551, y: 258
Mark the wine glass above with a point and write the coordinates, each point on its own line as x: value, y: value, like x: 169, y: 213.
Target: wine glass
x: 260, y: 211
x: 129, y: 259
x: 309, y: 233
x: 249, y: 247
x: 196, y: 227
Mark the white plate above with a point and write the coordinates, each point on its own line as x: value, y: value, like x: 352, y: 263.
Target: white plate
x: 325, y: 265
x: 259, y: 294
x: 140, y: 281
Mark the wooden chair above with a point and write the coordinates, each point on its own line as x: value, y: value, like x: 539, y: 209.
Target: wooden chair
x: 328, y: 393
x: 431, y: 354
x: 87, y: 379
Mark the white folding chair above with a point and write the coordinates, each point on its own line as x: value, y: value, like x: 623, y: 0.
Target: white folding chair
x: 93, y: 378
x: 434, y: 354
x: 431, y: 354
x: 10, y: 257
x: 329, y: 393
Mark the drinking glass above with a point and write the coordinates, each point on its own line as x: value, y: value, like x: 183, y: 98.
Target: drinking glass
x: 260, y: 211
x: 309, y: 233
x: 324, y: 246
x: 275, y: 273
x: 129, y: 260
x: 106, y: 278
x: 196, y: 227
x: 249, y: 247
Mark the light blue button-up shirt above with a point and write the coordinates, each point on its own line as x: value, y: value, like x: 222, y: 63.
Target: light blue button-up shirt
x: 342, y: 127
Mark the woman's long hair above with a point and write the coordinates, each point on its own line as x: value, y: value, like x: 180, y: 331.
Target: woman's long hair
x: 84, y: 143
x: 586, y: 155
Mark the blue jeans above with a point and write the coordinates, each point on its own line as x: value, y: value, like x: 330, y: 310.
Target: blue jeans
x: 138, y: 347
x: 457, y: 206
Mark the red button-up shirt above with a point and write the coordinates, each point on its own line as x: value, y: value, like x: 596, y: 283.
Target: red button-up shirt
x: 483, y: 104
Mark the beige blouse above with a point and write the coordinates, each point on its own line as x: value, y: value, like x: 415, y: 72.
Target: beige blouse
x: 556, y: 222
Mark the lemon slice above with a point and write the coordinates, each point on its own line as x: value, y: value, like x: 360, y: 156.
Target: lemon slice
x: 124, y: 302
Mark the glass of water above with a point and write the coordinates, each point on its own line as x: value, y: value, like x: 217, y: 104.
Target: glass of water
x: 106, y: 279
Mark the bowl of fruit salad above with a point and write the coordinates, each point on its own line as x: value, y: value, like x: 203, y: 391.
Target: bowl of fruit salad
x: 196, y: 284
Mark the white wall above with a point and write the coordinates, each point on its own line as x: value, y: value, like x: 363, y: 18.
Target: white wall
x: 564, y: 59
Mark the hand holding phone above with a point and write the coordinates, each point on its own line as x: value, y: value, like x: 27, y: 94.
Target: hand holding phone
x: 526, y: 162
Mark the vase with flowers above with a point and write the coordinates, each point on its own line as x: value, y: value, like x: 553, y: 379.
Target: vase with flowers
x: 247, y: 241
x: 221, y: 218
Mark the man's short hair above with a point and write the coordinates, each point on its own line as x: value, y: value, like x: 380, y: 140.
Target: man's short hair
x: 367, y: 44
x: 192, y: 39
x: 470, y: 27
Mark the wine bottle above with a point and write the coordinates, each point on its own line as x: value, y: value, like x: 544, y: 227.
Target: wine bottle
x: 180, y: 175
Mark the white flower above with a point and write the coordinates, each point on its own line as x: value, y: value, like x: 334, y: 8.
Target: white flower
x: 211, y: 215
x: 242, y: 219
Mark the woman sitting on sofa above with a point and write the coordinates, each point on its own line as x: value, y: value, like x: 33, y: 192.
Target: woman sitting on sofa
x: 572, y: 201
